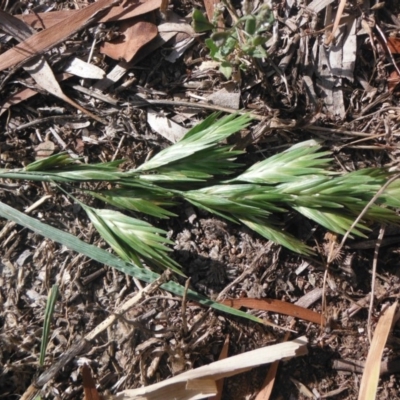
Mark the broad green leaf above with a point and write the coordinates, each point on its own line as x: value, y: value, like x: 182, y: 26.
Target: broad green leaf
x: 200, y: 22
x: 226, y: 68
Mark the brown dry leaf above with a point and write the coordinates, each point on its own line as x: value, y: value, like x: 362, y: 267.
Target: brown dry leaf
x: 44, y: 149
x: 135, y: 34
x: 393, y: 80
x: 393, y: 44
x: 122, y: 67
x: 277, y: 306
x: 268, y: 384
x: 181, y: 387
x: 370, y: 378
x: 209, y: 6
x: 165, y: 127
x: 17, y: 98
x: 303, y: 389
x: 47, y: 38
x: 220, y: 382
x: 116, y: 13
x: 89, y: 386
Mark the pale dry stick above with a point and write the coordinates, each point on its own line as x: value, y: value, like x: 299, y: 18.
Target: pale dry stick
x: 361, y: 140
x: 330, y: 258
x: 246, y: 272
x: 387, y: 48
x: 139, y: 102
x: 363, y: 212
x: 334, y: 130
x: 54, y: 118
x: 373, y: 278
x: 184, y: 301
x: 128, y: 305
x: 118, y: 147
x: 338, y: 17
x: 62, y: 144
x: 77, y: 348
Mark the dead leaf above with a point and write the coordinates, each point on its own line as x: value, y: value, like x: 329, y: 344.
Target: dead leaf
x: 165, y: 127
x: 393, y: 43
x: 209, y: 6
x: 80, y: 68
x: 121, y: 12
x: 220, y: 382
x: 303, y: 389
x: 370, y: 378
x: 177, y: 386
x: 89, y: 386
x: 184, y: 36
x: 122, y: 67
x: 135, y: 34
x: 225, y: 98
x: 393, y: 80
x: 47, y: 38
x: 116, y: 13
x: 44, y: 149
x: 277, y: 306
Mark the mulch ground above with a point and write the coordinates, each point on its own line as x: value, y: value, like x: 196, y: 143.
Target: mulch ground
x: 152, y: 342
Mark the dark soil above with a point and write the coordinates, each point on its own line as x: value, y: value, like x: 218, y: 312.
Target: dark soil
x: 151, y: 342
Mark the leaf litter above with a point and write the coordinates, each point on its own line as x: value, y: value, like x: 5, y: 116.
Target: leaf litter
x: 292, y: 85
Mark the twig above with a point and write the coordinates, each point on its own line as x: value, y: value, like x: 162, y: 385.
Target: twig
x: 55, y: 118
x: 373, y: 279
x: 339, y: 13
x: 184, y: 302
x: 139, y: 102
x: 386, y: 367
x: 247, y: 271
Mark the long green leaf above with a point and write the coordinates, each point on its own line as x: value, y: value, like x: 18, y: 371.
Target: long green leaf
x: 104, y: 257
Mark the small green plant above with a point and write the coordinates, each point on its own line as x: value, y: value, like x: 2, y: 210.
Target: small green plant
x: 201, y: 169
x: 234, y: 46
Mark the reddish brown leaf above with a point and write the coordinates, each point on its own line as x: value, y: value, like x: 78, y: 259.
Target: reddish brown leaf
x: 394, y: 45
x: 135, y: 34
x: 89, y: 386
x: 209, y: 5
x: 220, y: 382
x: 116, y: 13
x: 277, y: 306
x: 42, y: 41
x: 393, y: 80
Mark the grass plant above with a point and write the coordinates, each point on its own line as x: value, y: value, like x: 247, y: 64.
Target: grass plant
x: 298, y: 180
